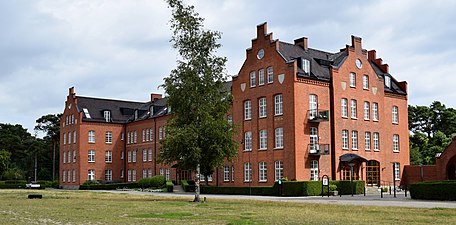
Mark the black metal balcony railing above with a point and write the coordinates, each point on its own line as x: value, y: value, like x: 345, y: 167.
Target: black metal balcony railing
x: 318, y: 149
x: 316, y: 115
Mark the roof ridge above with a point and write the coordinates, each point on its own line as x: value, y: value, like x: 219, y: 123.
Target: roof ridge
x: 109, y: 99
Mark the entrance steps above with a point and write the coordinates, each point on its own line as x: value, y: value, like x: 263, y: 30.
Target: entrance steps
x: 372, y: 190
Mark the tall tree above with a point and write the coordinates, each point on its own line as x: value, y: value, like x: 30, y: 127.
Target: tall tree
x: 5, y: 158
x: 199, y: 137
x: 50, y: 124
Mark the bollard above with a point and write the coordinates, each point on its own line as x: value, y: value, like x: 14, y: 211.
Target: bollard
x: 406, y: 192
x: 381, y: 192
x: 340, y: 192
x: 364, y: 190
x: 390, y: 190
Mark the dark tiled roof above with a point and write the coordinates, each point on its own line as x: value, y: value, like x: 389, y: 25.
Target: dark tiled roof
x: 394, y: 86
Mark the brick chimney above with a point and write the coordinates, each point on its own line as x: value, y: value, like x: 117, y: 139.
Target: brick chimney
x: 154, y: 97
x: 302, y: 42
x: 262, y: 30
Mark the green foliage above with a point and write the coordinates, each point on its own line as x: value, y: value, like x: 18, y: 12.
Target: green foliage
x: 332, y: 187
x: 5, y: 158
x: 93, y: 185
x: 153, y: 182
x: 435, y: 190
x: 198, y: 133
x: 188, y: 186
x: 344, y: 186
x: 266, y: 191
x: 13, y: 174
x: 169, y: 186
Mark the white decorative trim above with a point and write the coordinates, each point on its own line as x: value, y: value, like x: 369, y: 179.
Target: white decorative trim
x: 374, y: 90
x: 242, y: 87
x: 344, y: 85
x: 281, y: 77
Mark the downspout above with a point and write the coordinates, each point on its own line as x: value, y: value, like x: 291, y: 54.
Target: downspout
x: 155, y: 147
x: 333, y: 126
x: 125, y: 154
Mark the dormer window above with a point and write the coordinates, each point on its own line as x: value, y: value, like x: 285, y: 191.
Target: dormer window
x: 151, y: 110
x: 387, y: 81
x: 107, y: 116
x: 306, y: 66
x: 136, y: 114
x: 86, y: 113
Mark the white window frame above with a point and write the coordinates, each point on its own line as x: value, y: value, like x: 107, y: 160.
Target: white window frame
x: 262, y: 172
x: 314, y: 170
x: 107, y: 115
x: 232, y: 173
x: 252, y: 79
x: 397, y: 171
x: 149, y: 172
x: 260, y: 77
x: 149, y: 155
x: 344, y: 107
x: 74, y: 156
x: 63, y: 176
x: 376, y: 137
x: 395, y: 142
x: 278, y: 170
x: 375, y: 111
x: 367, y: 141
x: 248, y: 141
x: 247, y: 172
x: 306, y: 66
x: 366, y: 110
x: 74, y: 137
x: 69, y: 157
x: 278, y: 105
x: 74, y: 176
x: 226, y: 173
x: 64, y: 138
x: 278, y: 138
x: 353, y: 108
x: 365, y: 82
x: 247, y: 110
x: 108, y: 137
x: 270, y: 75
x: 143, y: 135
x: 262, y: 107
x: 160, y: 133
x: 352, y: 79
x: 144, y: 173
x: 344, y: 139
x: 69, y: 137
x: 129, y: 156
x: 129, y: 176
x: 133, y: 175
x: 91, y: 156
x: 64, y: 157
x: 108, y: 175
x: 313, y: 105
x: 387, y: 81
x: 151, y: 134
x: 133, y: 157
x: 263, y: 139
x: 91, y: 175
x: 108, y: 156
x: 144, y: 155
x: 167, y: 174
x: 395, y: 114
x: 354, y: 139
x: 313, y: 137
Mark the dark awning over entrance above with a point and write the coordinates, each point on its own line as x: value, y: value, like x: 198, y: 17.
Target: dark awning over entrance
x: 349, y: 157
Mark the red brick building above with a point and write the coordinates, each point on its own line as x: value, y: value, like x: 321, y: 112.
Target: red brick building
x: 302, y: 113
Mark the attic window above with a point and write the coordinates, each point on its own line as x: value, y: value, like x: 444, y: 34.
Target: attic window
x: 107, y: 116
x: 387, y: 81
x: 86, y: 112
x: 151, y: 110
x: 306, y: 66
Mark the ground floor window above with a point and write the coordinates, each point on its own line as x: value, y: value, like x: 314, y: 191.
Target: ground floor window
x: 91, y: 175
x: 278, y: 170
x: 397, y: 171
x: 129, y: 175
x: 63, y: 176
x: 263, y: 172
x: 167, y: 174
x: 108, y: 175
x: 226, y: 173
x: 74, y: 175
x: 314, y: 170
x: 149, y: 172
x: 133, y: 175
x: 247, y: 172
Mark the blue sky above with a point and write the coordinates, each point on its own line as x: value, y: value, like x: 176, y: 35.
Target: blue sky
x: 120, y: 49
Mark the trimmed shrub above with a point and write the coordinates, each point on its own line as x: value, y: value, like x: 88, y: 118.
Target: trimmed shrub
x: 344, y: 186
x: 267, y: 190
x: 90, y: 185
x: 188, y: 185
x: 169, y: 186
x: 153, y: 182
x: 434, y: 190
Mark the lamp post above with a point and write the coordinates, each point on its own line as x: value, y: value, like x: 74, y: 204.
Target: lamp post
x: 394, y: 179
x: 351, y: 177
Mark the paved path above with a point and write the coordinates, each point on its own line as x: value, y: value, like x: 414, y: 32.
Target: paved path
x: 369, y: 200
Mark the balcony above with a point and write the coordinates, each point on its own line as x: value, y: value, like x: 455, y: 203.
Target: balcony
x: 317, y: 116
x: 318, y: 149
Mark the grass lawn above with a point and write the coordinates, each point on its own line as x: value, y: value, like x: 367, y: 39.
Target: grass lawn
x: 83, y: 207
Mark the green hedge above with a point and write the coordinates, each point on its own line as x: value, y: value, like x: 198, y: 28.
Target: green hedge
x: 13, y: 184
x: 434, y: 190
x: 188, y: 186
x: 344, y: 186
x: 169, y: 186
x: 267, y: 190
x: 153, y: 182
x: 94, y: 186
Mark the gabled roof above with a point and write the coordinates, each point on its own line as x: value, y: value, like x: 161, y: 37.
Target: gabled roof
x: 394, y: 86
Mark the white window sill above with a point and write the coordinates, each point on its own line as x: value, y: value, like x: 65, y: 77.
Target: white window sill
x: 346, y: 149
x: 262, y: 149
x: 247, y: 150
x: 354, y: 118
x: 366, y: 119
x: 396, y: 151
x: 375, y: 120
x: 262, y: 117
x: 263, y: 181
x: 395, y: 123
x: 376, y: 150
x: 367, y: 150
x: 278, y: 114
x: 354, y: 149
x: 344, y: 117
x: 278, y: 148
x: 246, y: 119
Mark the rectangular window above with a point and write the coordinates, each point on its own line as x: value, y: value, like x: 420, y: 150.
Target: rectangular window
x: 108, y: 157
x: 263, y: 172
x: 313, y: 106
x: 352, y: 80
x: 129, y: 176
x: 64, y: 138
x: 150, y: 155
x: 162, y: 173
x: 107, y: 115
x: 69, y: 137
x: 375, y: 111
x: 353, y: 109
x: 248, y: 141
x: 122, y: 155
x: 91, y: 155
x: 270, y: 75
x: 230, y: 119
x: 344, y: 139
x: 143, y: 135
x: 129, y: 156
x: 133, y: 175
x: 69, y: 157
x: 278, y: 165
x: 397, y: 171
x: 262, y: 107
x: 160, y: 133
x: 367, y: 141
x: 147, y: 135
x: 355, y: 140
x: 151, y: 134
x: 247, y: 110
x: 314, y: 170
x: 388, y: 81
x: 128, y: 140
x: 74, y: 156
x: 64, y: 176
x: 144, y: 155
x: 344, y: 107
x: 263, y: 139
x: 247, y: 172
x: 232, y: 173
x: 366, y: 110
x: 278, y: 138
x: 149, y: 172
x: 252, y: 79
x: 144, y: 173
x: 167, y: 174
x: 122, y: 136
x: 306, y: 66
x: 133, y: 156
x: 395, y: 115
x: 135, y: 137
x: 74, y: 137
x: 278, y: 105
x: 376, y: 141
x: 108, y: 137
x: 64, y: 157
x: 74, y: 175
x: 396, y: 143
x: 261, y: 77
x: 91, y: 175
x: 108, y: 175
x: 226, y: 173
x: 365, y: 82
x: 122, y: 173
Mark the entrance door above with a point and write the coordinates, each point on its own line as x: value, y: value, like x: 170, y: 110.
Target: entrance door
x: 373, y: 173
x: 346, y: 173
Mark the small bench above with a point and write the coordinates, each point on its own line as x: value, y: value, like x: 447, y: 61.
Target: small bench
x: 32, y: 196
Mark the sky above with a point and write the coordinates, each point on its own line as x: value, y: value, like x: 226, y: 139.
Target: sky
x: 120, y: 49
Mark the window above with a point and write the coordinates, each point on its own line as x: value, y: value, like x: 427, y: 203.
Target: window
x: 263, y: 172
x: 122, y: 173
x: 129, y: 156
x: 122, y: 155
x: 248, y: 141
x: 375, y: 111
x: 162, y: 173
x: 396, y: 143
x: 135, y: 137
x: 108, y: 136
x: 230, y: 119
x: 388, y: 81
x: 69, y: 137
x: 147, y: 135
x: 149, y: 172
x: 313, y: 106
x: 66, y: 120
x: 150, y: 155
x: 344, y: 139
x: 74, y: 156
x: 151, y: 134
x: 64, y: 176
x: 353, y: 109
x: 160, y: 133
x: 313, y: 140
x: 252, y: 79
x: 263, y: 139
x: 74, y: 137
x: 278, y: 165
x: 366, y: 111
x: 143, y: 135
x: 314, y: 170
x: 306, y: 66
x: 247, y: 172
x: 144, y: 155
x: 226, y: 173
x: 91, y: 136
x: 69, y: 157
x: 397, y: 171
x: 278, y: 105
x: 395, y: 115
x: 279, y: 138
x: 367, y: 141
x: 144, y: 173
x: 91, y: 175
x: 261, y: 77
x: 344, y: 107
x: 108, y: 157
x: 247, y: 110
x: 232, y: 173
x: 107, y: 115
x: 64, y: 138
x: 129, y: 175
x: 167, y: 174
x: 91, y: 155
x: 128, y: 140
x: 74, y: 175
x: 69, y: 176
x: 133, y: 175
x: 376, y: 141
x: 108, y: 175
x: 133, y: 156
x: 352, y: 80
x: 64, y: 157
x: 365, y: 82
x: 355, y: 140
x: 262, y: 107
x: 270, y: 75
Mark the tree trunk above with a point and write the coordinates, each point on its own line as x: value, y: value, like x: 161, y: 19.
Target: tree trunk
x: 53, y: 163
x: 197, y: 185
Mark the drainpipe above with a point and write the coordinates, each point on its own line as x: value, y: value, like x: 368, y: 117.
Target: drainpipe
x: 155, y: 146
x: 332, y: 128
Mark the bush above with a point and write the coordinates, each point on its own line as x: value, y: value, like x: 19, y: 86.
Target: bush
x: 91, y: 185
x: 169, y: 186
x: 13, y: 174
x: 344, y: 186
x: 153, y: 182
x: 434, y: 190
x: 267, y: 190
x: 188, y: 185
